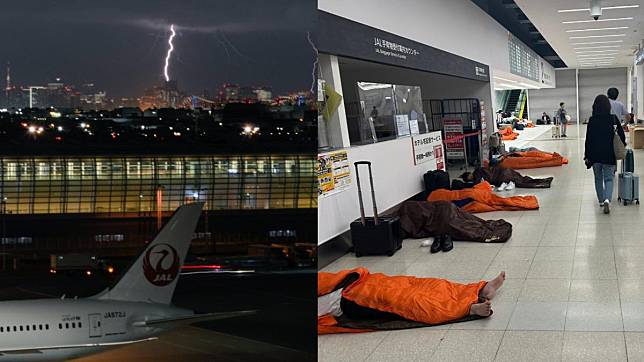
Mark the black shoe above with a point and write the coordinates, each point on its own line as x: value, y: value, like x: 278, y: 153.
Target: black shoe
x: 436, y: 245
x: 447, y: 244
x: 564, y: 136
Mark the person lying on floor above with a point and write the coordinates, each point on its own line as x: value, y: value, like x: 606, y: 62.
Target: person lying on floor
x: 355, y: 300
x: 422, y: 219
x: 532, y: 159
x: 480, y: 198
x: 497, y: 176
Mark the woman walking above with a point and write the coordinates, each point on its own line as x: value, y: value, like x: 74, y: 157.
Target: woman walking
x: 599, y: 153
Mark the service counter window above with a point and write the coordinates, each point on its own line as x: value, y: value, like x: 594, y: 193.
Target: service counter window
x: 384, y: 112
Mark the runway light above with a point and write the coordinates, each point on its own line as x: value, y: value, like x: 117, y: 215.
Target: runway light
x: 110, y: 270
x: 187, y: 267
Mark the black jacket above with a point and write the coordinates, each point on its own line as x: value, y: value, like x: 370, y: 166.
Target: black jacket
x: 599, y: 139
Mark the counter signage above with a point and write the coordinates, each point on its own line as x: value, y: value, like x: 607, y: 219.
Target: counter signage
x: 402, y: 124
x: 391, y: 49
x: 454, y: 145
x: 334, y: 173
x: 484, y: 136
x: 428, y: 148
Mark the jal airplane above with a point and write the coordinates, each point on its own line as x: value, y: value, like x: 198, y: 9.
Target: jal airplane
x: 136, y: 309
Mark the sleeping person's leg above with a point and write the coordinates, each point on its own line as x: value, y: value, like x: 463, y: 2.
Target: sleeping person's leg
x: 488, y: 292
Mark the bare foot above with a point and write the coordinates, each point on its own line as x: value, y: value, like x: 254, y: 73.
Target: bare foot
x: 489, y: 291
x: 481, y: 309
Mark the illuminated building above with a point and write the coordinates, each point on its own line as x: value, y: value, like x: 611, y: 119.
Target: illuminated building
x: 102, y: 195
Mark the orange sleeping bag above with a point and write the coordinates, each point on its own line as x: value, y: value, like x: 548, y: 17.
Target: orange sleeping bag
x: 425, y: 300
x: 484, y: 200
x: 533, y: 159
x: 508, y: 135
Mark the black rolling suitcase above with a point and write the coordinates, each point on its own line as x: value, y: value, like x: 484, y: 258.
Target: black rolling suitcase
x: 374, y: 235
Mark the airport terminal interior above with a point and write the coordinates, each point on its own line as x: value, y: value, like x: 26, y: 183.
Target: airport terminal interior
x: 415, y: 94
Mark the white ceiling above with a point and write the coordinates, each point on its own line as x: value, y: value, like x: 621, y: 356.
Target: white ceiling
x: 603, y: 51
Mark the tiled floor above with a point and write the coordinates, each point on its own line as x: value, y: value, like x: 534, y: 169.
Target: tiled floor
x: 575, y: 287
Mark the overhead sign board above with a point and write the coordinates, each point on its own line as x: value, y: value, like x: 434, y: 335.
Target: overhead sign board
x: 360, y: 41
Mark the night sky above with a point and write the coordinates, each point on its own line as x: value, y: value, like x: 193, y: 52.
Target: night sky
x: 120, y: 45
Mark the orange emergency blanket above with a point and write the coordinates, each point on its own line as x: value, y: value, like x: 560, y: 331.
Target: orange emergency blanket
x: 532, y: 159
x: 422, y: 301
x: 508, y: 135
x: 484, y: 200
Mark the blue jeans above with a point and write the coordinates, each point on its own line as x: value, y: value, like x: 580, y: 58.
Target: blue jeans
x: 604, y: 175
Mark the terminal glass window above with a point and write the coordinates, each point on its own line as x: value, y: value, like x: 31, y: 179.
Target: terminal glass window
x: 135, y: 184
x: 385, y: 112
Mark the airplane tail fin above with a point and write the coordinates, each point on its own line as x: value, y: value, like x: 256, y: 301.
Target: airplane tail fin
x: 153, y: 276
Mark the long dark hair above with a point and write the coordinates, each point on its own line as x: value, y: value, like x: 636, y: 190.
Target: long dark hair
x: 601, y: 106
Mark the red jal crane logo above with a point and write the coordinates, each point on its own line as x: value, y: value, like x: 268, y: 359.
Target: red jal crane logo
x: 161, y: 264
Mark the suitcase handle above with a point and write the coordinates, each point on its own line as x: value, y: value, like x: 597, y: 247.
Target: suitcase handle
x: 373, y: 194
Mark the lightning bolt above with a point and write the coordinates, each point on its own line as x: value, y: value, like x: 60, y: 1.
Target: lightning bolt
x: 315, y: 63
x: 170, y: 49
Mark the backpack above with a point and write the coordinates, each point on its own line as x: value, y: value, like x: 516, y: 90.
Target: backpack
x: 434, y: 180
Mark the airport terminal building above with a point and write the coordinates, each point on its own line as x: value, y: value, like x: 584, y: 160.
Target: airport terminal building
x: 117, y: 202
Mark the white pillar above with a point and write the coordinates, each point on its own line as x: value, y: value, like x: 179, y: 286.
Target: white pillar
x: 629, y: 88
x: 639, y: 91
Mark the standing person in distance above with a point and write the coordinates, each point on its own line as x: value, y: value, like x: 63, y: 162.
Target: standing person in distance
x: 599, y: 152
x: 561, y: 115
x: 617, y: 107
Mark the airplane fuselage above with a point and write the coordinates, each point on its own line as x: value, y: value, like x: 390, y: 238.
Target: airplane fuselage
x: 27, y: 325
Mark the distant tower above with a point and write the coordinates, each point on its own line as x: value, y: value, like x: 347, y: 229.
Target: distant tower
x: 8, y: 87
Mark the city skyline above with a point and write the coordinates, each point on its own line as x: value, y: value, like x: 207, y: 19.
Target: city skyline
x: 124, y: 53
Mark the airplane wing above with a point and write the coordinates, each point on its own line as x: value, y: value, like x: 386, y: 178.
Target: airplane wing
x: 182, y: 321
x: 39, y: 349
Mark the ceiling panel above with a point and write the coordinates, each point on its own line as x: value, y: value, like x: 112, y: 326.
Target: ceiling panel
x: 582, y: 42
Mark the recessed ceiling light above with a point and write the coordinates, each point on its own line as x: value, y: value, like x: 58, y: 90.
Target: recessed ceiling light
x: 620, y: 7
x: 572, y: 10
x: 597, y: 36
x: 599, y: 46
x: 598, y: 53
x: 594, y: 21
x: 596, y: 29
x: 606, y: 8
x: 599, y: 42
x: 590, y: 59
x: 595, y: 59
